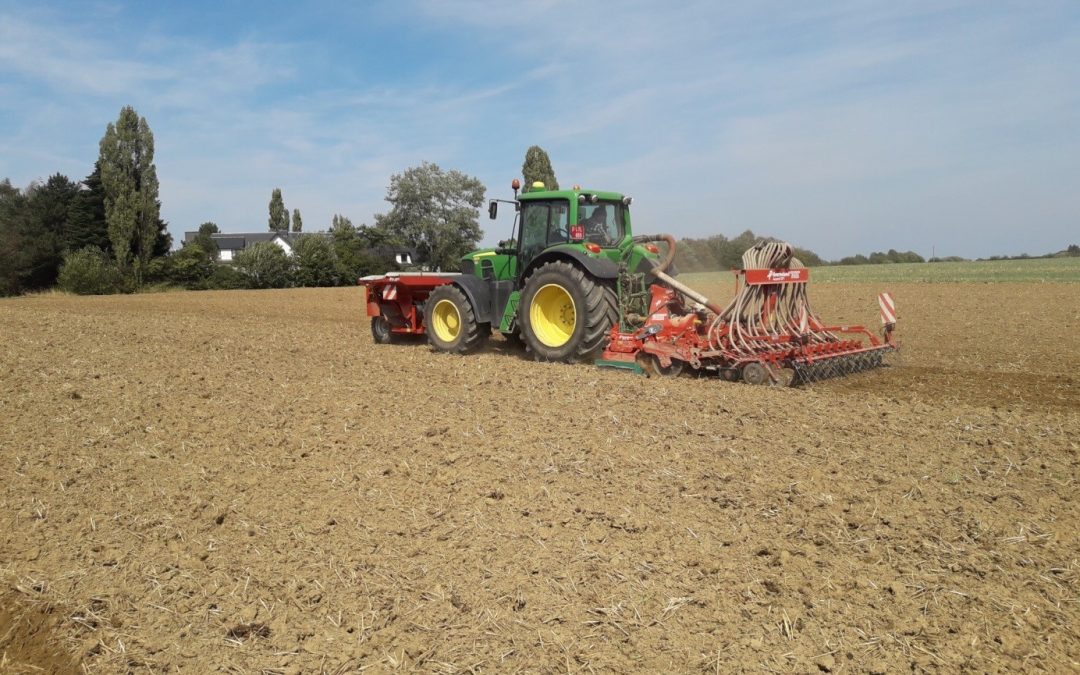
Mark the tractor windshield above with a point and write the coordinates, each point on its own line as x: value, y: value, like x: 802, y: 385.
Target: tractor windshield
x: 604, y: 222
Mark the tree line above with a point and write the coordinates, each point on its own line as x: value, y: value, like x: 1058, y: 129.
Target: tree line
x: 721, y: 253
x: 1070, y: 251
x: 433, y: 216
x: 104, y: 234
x: 333, y: 258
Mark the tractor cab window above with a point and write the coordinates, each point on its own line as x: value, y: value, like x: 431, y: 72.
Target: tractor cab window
x: 559, y: 225
x: 543, y: 224
x: 604, y: 222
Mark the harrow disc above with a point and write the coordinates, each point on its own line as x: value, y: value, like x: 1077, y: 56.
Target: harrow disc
x: 651, y: 365
x: 837, y: 366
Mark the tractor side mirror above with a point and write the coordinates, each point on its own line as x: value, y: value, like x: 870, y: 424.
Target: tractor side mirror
x: 493, y: 209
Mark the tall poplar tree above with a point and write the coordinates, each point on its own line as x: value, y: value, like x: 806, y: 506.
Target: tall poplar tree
x: 279, y: 215
x: 129, y: 178
x: 297, y: 224
x: 537, y: 167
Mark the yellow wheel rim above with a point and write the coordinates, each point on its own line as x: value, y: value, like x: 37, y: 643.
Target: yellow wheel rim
x: 553, y: 315
x: 446, y: 321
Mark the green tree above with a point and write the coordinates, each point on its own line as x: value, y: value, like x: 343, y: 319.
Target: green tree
x: 47, y: 207
x: 205, y: 240
x: 87, y: 225
x: 353, y: 260
x: 279, y: 215
x: 718, y: 253
x: 435, y: 213
x: 859, y: 259
x: 90, y: 271
x: 162, y: 238
x: 315, y: 260
x: 361, y: 250
x: 226, y: 277
x: 15, y: 234
x: 128, y: 174
x: 808, y: 257
x: 264, y: 265
x: 195, y: 262
x: 297, y: 224
x: 191, y: 266
x: 341, y: 222
x: 50, y: 205
x: 537, y: 167
x: 32, y: 226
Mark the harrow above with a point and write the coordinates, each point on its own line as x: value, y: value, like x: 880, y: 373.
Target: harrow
x: 768, y: 334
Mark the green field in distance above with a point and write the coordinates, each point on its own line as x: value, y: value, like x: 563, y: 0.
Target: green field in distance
x: 989, y: 271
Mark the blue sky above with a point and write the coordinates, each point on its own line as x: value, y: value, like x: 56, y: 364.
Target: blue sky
x: 842, y: 126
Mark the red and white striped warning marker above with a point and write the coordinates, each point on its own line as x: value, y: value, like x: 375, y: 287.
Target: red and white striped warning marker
x: 389, y: 292
x: 888, y: 309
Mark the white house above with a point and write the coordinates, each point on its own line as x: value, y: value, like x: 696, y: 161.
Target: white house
x: 231, y: 243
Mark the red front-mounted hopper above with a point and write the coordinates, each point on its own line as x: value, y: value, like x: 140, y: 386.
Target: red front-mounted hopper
x: 395, y: 301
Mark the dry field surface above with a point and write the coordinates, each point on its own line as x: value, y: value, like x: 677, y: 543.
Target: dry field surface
x: 244, y: 482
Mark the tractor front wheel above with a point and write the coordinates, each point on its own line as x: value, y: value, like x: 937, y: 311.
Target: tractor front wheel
x: 565, y: 314
x: 451, y: 321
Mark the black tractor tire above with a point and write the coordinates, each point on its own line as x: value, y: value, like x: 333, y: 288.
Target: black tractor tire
x: 380, y: 331
x: 566, y: 331
x: 451, y: 322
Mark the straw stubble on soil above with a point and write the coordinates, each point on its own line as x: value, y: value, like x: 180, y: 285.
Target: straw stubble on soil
x: 243, y: 481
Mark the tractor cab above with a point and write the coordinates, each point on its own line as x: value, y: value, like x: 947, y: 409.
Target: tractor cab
x: 577, y: 219
x: 572, y: 222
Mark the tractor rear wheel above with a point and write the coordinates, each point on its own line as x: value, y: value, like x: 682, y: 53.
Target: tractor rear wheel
x: 451, y: 321
x: 566, y: 314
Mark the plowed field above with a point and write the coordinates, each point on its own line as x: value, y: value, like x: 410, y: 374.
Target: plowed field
x: 244, y: 482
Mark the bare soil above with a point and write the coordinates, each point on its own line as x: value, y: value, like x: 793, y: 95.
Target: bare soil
x: 244, y: 482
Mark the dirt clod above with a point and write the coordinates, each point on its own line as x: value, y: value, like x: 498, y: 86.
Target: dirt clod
x: 245, y: 630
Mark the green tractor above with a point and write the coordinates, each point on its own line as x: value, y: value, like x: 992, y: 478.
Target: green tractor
x: 571, y: 270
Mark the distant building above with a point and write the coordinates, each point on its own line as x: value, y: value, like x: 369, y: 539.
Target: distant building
x: 231, y: 243
x: 402, y: 256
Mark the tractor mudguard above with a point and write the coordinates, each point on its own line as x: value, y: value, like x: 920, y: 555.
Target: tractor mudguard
x: 599, y: 268
x: 646, y: 264
x: 478, y: 291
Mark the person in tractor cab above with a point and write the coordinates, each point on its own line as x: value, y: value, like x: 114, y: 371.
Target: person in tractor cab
x: 596, y: 227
